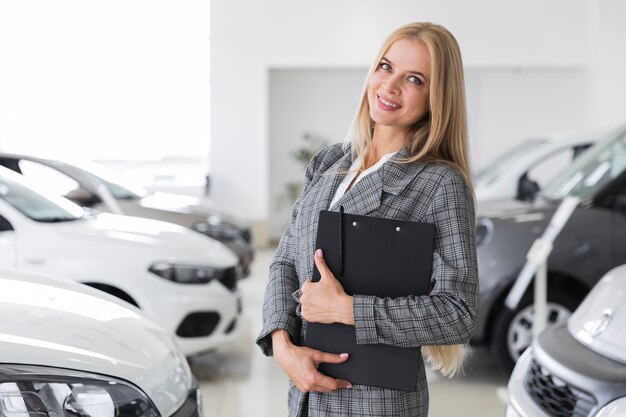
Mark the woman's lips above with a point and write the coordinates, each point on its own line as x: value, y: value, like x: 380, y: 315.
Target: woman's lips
x: 386, y: 104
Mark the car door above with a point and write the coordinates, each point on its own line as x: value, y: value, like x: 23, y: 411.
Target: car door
x: 8, y: 249
x: 615, y: 199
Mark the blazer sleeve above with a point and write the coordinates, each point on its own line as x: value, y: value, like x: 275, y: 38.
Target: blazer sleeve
x: 279, y: 306
x: 449, y: 313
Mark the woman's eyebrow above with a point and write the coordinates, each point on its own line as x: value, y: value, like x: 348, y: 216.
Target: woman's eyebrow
x: 414, y: 71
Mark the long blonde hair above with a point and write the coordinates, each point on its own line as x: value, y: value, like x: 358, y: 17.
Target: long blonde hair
x: 441, y: 136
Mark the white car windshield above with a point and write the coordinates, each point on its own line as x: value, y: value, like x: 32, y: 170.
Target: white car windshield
x: 37, y: 206
x: 500, y: 165
x: 98, y: 174
x: 591, y: 171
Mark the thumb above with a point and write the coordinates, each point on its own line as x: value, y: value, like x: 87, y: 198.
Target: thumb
x: 321, y: 264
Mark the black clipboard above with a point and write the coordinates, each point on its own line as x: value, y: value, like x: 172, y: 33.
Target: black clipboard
x: 372, y: 256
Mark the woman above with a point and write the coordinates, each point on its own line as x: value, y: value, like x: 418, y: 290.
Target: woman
x: 405, y: 158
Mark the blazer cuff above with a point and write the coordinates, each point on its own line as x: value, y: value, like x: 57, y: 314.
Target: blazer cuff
x: 364, y: 320
x: 282, y: 321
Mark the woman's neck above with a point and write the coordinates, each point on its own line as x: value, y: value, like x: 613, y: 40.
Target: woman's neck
x: 384, y: 140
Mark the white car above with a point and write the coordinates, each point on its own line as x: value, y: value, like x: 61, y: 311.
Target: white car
x: 578, y: 368
x: 521, y: 171
x: 92, y: 185
x: 185, y: 281
x: 70, y: 350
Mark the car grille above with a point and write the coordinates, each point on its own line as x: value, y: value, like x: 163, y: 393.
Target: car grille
x: 556, y: 397
x: 190, y: 407
x: 229, y: 278
x: 198, y: 324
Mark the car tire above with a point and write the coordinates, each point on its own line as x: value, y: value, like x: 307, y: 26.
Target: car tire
x: 513, y: 328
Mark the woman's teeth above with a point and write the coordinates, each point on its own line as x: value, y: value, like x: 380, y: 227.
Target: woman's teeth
x: 386, y: 103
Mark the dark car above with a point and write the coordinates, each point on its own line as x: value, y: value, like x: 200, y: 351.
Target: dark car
x: 83, y: 183
x: 592, y: 242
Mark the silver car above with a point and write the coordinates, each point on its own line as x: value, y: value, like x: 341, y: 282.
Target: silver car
x: 578, y: 368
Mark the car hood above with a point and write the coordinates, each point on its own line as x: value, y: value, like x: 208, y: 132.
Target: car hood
x: 186, y: 205
x: 174, y: 202
x: 165, y: 239
x: 58, y: 323
x: 507, y: 208
x: 600, y: 320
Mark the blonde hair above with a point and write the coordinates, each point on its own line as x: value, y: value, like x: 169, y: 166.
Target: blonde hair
x: 441, y: 136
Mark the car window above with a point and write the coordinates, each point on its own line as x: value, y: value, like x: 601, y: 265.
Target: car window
x: 51, y: 179
x: 96, y: 173
x: 591, y: 171
x: 548, y: 168
x: 500, y: 165
x: 37, y: 206
x: 5, y: 225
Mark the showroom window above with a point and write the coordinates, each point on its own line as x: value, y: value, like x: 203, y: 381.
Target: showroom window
x: 126, y: 84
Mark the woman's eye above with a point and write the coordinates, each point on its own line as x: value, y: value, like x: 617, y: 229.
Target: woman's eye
x: 415, y: 80
x: 385, y: 66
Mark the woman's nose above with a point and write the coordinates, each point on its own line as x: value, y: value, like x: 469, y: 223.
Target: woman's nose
x: 392, y: 85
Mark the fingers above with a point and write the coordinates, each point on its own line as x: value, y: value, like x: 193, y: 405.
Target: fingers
x: 308, y: 378
x: 325, y: 357
x: 342, y: 383
x: 317, y: 381
x: 325, y: 383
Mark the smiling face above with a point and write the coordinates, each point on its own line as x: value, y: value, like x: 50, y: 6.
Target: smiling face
x: 398, y: 90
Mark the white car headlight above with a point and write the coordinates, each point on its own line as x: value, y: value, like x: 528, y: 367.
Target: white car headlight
x: 615, y: 408
x: 219, y: 231
x: 36, y: 391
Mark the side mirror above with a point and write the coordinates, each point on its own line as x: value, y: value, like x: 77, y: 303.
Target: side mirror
x: 82, y: 197
x: 620, y: 202
x: 527, y: 189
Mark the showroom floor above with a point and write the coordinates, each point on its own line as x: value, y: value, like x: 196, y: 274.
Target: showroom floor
x: 238, y: 381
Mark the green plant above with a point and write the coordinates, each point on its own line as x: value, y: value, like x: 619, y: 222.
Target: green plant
x: 311, y: 144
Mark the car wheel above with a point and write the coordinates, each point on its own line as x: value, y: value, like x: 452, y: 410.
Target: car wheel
x: 513, y: 331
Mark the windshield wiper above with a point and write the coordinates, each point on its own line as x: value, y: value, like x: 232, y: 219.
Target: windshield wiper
x: 57, y: 219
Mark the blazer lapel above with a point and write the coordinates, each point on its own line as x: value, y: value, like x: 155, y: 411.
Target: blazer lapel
x: 366, y: 195
x: 330, y: 180
x: 396, y: 175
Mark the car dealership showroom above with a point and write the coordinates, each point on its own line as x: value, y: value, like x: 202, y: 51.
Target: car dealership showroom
x: 265, y: 208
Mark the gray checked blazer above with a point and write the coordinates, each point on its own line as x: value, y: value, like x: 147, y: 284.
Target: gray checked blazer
x: 428, y: 192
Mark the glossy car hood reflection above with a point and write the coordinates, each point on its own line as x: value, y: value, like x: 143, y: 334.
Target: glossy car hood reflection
x: 517, y: 212
x: 171, y: 239
x: 58, y: 323
x: 185, y: 204
x: 509, y: 207
x: 600, y: 320
x: 174, y: 202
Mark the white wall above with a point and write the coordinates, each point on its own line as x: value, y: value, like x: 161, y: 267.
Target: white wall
x: 321, y: 102
x: 113, y: 79
x: 607, y: 61
x: 250, y: 37
x: 506, y: 106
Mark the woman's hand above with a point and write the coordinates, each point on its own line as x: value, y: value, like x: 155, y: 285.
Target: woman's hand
x: 325, y: 301
x: 300, y: 364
